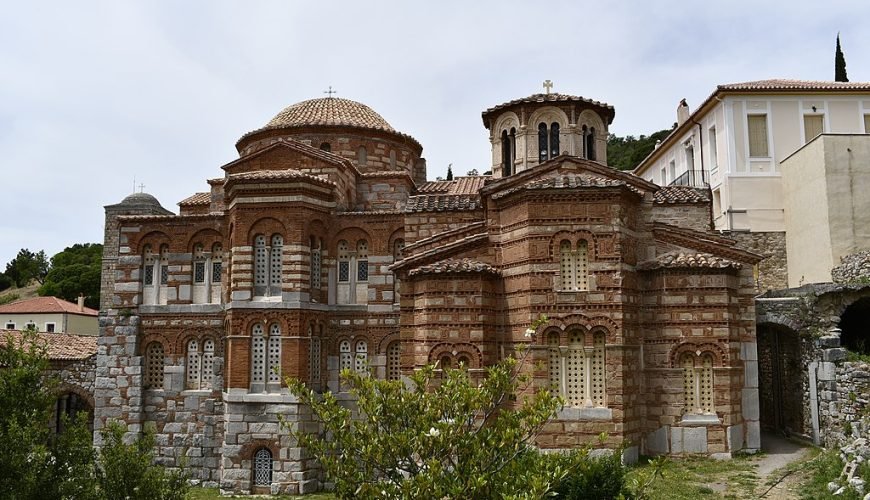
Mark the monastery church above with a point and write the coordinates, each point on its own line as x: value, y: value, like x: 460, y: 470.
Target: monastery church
x: 324, y: 247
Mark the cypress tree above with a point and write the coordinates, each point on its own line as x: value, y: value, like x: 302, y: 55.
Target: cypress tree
x: 840, y: 64
x: 450, y: 172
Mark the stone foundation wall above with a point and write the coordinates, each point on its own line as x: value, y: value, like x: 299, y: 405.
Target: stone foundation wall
x: 773, y: 270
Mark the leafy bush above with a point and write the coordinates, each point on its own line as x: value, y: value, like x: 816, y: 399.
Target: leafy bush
x: 601, y: 477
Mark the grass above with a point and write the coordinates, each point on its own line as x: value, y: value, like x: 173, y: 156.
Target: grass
x: 696, y: 478
x: 821, y: 470
x: 214, y: 493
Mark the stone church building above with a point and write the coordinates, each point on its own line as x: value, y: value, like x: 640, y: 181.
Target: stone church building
x: 324, y: 247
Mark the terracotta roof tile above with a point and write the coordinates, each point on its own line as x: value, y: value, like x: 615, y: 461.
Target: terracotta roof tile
x: 785, y: 84
x: 564, y: 181
x: 470, y: 184
x: 46, y: 305
x: 442, y: 202
x: 330, y: 111
x: 538, y: 98
x: 196, y: 199
x: 277, y: 175
x: 681, y: 194
x: 455, y: 266
x: 677, y: 259
x: 61, y: 346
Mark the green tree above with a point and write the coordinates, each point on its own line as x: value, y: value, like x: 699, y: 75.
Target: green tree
x: 26, y: 267
x: 450, y: 172
x: 25, y: 408
x: 5, y: 282
x: 73, y: 271
x: 626, y: 153
x: 440, y: 436
x: 840, y: 64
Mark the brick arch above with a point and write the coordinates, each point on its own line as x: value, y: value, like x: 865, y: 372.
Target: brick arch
x: 200, y: 334
x: 154, y: 238
x: 318, y: 228
x: 774, y: 319
x: 548, y: 114
x: 248, y: 449
x: 398, y: 234
x: 586, y: 322
x: 267, y: 226
x: 205, y: 237
x: 352, y: 235
x: 720, y: 357
x: 506, y: 121
x: 67, y: 388
x: 160, y: 338
x: 573, y: 237
x: 455, y: 349
x: 387, y: 340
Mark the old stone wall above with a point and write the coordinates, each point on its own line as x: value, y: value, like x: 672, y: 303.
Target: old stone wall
x: 773, y: 270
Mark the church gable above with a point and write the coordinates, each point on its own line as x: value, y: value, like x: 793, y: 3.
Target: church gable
x: 291, y: 154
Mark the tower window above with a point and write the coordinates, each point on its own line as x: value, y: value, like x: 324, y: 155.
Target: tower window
x: 154, y: 362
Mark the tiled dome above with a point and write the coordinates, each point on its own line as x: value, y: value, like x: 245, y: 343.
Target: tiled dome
x: 330, y: 111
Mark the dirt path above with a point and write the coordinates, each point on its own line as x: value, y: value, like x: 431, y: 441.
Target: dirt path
x: 778, y: 453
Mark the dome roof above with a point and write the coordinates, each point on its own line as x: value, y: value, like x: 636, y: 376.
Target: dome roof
x: 329, y: 111
x: 140, y: 199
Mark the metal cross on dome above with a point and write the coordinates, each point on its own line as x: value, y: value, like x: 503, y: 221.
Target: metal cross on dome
x: 548, y: 85
x: 141, y: 187
x: 330, y: 91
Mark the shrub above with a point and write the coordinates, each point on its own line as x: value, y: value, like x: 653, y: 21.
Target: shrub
x: 601, y: 477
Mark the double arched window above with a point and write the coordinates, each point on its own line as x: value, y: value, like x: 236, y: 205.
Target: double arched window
x: 265, y: 358
x: 200, y: 364
x: 548, y: 141
x: 576, y: 368
x: 697, y: 383
x: 207, y: 274
x: 574, y: 265
x: 155, y: 275
x: 268, y: 265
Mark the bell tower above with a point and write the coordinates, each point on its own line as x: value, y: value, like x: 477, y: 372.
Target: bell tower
x: 533, y: 130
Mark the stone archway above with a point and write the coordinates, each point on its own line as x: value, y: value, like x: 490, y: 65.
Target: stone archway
x: 780, y: 379
x: 69, y: 404
x: 855, y: 326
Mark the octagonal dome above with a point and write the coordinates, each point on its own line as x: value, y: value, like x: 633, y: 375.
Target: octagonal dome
x: 329, y: 111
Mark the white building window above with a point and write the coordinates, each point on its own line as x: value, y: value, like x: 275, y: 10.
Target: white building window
x: 154, y: 362
x: 49, y: 327
x: 10, y: 326
x: 573, y: 265
x: 345, y: 356
x: 714, y: 149
x: 577, y: 370
x: 813, y: 125
x: 697, y: 383
x: 757, y: 126
x: 394, y: 361
x: 867, y: 124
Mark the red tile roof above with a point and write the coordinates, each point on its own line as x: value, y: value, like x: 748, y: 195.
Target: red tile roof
x: 681, y: 194
x: 677, y: 260
x: 442, y: 202
x: 61, y: 346
x: 785, y: 84
x: 455, y: 266
x: 46, y: 305
x: 565, y: 181
x: 197, y: 199
x: 554, y: 97
x: 460, y: 185
x: 277, y: 174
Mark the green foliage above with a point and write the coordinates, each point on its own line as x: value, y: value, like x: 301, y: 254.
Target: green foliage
x: 128, y: 470
x: 626, y: 153
x: 73, y: 271
x: 25, y: 407
x: 822, y: 470
x: 9, y: 297
x: 600, y: 477
x: 5, y: 282
x: 71, y: 471
x: 450, y: 172
x: 435, y: 438
x: 26, y: 267
x: 840, y: 64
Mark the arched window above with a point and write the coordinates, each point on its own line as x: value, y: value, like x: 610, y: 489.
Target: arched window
x: 154, y: 362
x: 345, y: 356
x: 313, y: 358
x: 194, y: 367
x: 263, y: 467
x: 398, y: 254
x: 217, y: 268
x: 149, y: 288
x: 463, y: 362
x: 394, y: 361
x: 573, y: 265
x: 577, y: 370
x: 513, y: 141
x: 324, y: 146
x: 316, y: 273
x: 258, y: 358
x: 362, y: 260
x: 261, y: 269
x: 554, y: 140
x: 361, y: 360
x: 445, y: 362
x: 343, y: 261
x: 362, y: 156
x: 164, y: 265
x: 590, y: 144
x: 505, y: 154
x: 275, y: 265
x: 543, y: 146
x: 207, y: 364
x: 274, y: 368
x: 697, y: 383
x: 198, y: 265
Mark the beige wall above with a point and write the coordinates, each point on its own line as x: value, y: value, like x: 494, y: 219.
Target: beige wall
x: 827, y: 210
x: 73, y: 323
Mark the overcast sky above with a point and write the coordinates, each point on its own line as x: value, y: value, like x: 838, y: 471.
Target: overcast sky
x: 93, y: 94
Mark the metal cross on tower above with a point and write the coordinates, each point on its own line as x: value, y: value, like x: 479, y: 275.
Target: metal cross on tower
x: 330, y: 91
x: 548, y: 85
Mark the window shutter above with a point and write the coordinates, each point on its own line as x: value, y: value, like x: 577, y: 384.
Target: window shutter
x: 813, y: 126
x: 758, y: 135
